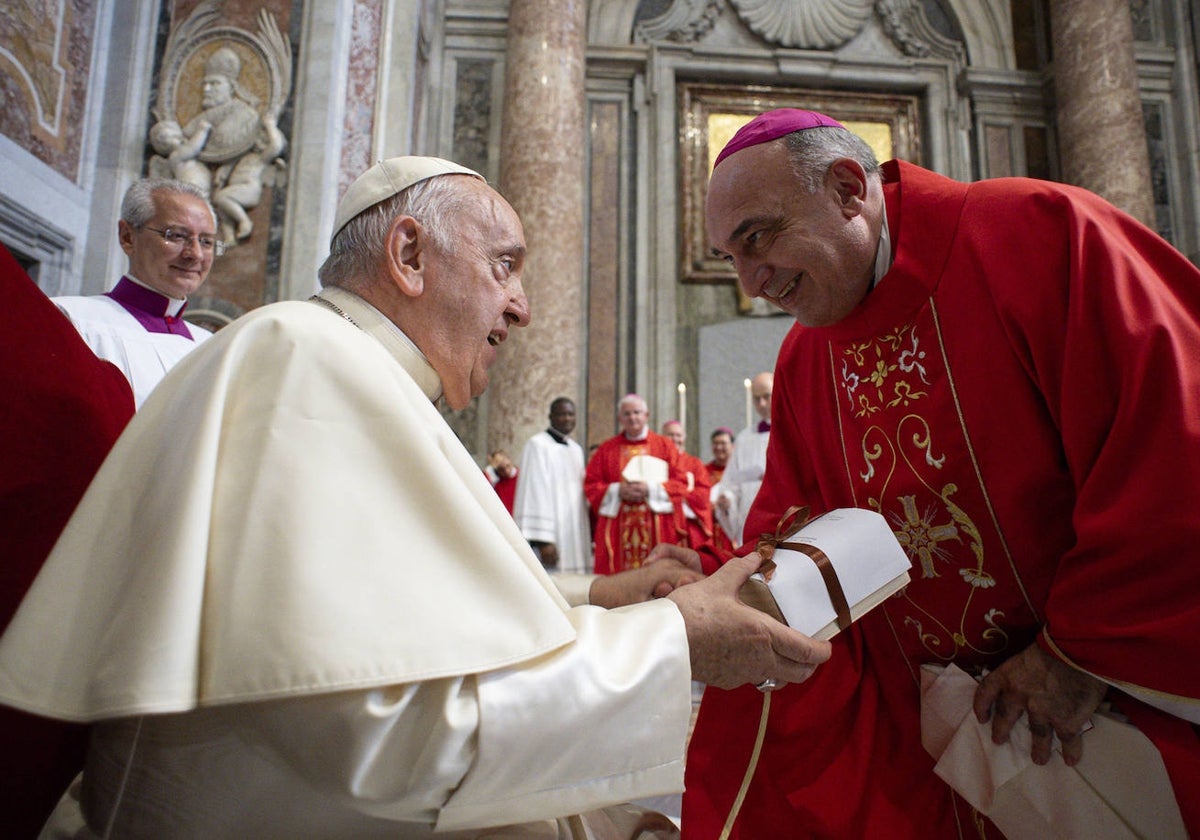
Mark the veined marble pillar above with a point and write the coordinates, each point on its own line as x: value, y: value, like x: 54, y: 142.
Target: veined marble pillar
x: 1101, y: 135
x: 542, y: 154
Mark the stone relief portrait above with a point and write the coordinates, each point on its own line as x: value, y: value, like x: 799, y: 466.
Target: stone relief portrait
x: 220, y: 95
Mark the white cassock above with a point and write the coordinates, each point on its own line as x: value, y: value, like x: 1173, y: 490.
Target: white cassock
x: 741, y: 480
x: 550, y: 506
x: 113, y: 334
x: 295, y: 608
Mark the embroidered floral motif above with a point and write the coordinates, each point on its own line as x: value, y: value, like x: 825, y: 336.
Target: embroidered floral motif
x: 892, y: 363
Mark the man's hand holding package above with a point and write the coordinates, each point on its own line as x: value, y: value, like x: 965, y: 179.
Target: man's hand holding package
x: 1058, y: 698
x: 732, y: 644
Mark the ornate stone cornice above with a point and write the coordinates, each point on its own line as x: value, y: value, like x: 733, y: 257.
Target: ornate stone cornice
x: 805, y: 24
x: 686, y: 21
x: 905, y: 23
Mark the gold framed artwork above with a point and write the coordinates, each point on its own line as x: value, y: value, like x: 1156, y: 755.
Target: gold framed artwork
x: 711, y: 114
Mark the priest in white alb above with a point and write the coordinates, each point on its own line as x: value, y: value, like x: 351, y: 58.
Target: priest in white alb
x: 550, y: 507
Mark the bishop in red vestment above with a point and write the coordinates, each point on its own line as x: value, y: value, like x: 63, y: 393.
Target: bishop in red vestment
x: 693, y: 516
x: 1015, y: 386
x: 721, y: 441
x: 631, y: 516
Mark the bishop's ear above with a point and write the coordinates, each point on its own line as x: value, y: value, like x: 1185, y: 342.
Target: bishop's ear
x: 850, y: 181
x: 405, y: 255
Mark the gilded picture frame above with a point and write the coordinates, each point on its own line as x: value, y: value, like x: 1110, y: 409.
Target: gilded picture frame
x: 711, y: 114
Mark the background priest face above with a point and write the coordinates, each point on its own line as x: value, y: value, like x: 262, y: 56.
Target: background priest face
x: 463, y: 283
x: 632, y: 415
x: 674, y: 432
x: 760, y: 393
x: 562, y: 416
x: 173, y: 269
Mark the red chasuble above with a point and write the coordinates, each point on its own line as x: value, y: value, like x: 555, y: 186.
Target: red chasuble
x: 622, y: 542
x: 1020, y: 398
x: 61, y: 412
x: 696, y: 532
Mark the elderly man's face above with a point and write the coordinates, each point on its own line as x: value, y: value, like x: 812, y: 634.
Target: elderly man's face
x: 476, y: 291
x: 810, y: 254
x: 174, y: 270
x: 632, y: 417
x: 674, y: 432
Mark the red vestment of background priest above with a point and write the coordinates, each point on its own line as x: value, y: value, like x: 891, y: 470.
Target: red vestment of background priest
x: 1020, y: 397
x: 722, y: 545
x: 622, y: 542
x: 61, y: 412
x: 695, y: 532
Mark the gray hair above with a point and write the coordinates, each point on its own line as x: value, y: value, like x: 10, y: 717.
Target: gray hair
x: 629, y: 399
x: 137, y: 207
x: 358, y: 248
x: 812, y: 150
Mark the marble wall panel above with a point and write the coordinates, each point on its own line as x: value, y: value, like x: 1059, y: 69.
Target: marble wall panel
x: 45, y: 63
x: 362, y: 87
x: 603, y: 315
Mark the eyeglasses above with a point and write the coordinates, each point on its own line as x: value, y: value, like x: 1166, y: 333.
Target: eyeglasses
x: 179, y: 238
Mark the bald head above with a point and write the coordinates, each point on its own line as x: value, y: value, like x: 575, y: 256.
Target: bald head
x: 760, y: 393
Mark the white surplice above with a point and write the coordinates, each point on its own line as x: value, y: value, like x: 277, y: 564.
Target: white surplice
x: 113, y: 334
x: 550, y: 506
x: 297, y: 608
x: 741, y: 480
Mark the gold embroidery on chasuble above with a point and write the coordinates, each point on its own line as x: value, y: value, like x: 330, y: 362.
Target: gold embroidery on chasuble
x: 636, y: 521
x: 908, y: 455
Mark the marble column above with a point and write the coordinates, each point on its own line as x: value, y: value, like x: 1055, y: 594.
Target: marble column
x: 1101, y: 135
x: 542, y: 156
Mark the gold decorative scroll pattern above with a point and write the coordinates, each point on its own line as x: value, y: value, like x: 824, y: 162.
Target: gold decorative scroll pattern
x: 888, y: 382
x: 636, y: 521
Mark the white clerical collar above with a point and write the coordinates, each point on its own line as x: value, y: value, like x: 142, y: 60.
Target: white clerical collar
x: 373, y: 322
x: 645, y: 434
x: 883, y: 254
x: 173, y: 304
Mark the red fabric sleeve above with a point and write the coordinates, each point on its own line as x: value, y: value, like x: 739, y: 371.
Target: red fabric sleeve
x: 63, y: 409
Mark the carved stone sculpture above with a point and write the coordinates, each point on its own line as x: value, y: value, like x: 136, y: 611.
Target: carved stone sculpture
x: 217, y: 117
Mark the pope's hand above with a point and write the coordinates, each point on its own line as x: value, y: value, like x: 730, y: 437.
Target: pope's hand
x: 732, y: 644
x: 653, y: 580
x: 1058, y: 699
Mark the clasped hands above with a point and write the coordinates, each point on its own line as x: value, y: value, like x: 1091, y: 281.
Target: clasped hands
x: 633, y: 492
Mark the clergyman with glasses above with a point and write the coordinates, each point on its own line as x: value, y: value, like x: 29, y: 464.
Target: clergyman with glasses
x: 168, y: 231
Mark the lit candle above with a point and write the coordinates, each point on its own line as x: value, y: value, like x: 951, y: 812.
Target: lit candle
x: 683, y: 406
x: 749, y: 403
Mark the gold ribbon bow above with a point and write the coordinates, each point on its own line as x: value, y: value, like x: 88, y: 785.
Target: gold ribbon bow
x: 795, y: 518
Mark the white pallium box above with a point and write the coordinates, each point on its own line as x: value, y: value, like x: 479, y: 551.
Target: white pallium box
x: 645, y: 468
x: 867, y: 562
